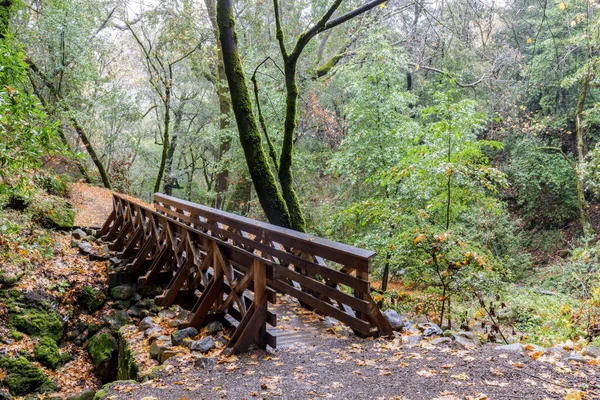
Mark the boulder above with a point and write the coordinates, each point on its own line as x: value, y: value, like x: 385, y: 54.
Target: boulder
x: 467, y: 339
x: 146, y: 324
x: 177, y: 337
x: 166, y: 354
x: 121, y: 292
x: 117, y: 319
x: 159, y: 345
x: 103, y: 351
x: 575, y: 357
x: 203, y: 345
x: 166, y: 314
x: 90, y: 299
x: 214, y: 327
x: 591, y: 351
x: 23, y: 377
x: 37, y: 322
x: 85, y: 248
x: 204, y: 362
x: 440, y: 340
x: 79, y: 234
x: 46, y: 352
x: 515, y: 347
x: 430, y: 329
x: 394, y: 319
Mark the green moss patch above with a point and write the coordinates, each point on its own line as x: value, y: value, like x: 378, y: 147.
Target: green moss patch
x: 23, y: 377
x: 103, y: 350
x: 37, y: 322
x: 53, y: 212
x: 46, y: 352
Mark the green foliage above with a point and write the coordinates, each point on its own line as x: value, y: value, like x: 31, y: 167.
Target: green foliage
x: 543, y: 183
x: 53, y: 212
x: 26, y: 133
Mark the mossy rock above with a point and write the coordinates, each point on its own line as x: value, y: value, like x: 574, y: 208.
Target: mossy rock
x: 23, y: 377
x: 10, y: 279
x: 53, y: 212
x: 103, y: 350
x: 37, y: 322
x: 46, y: 352
x: 127, y: 369
x: 87, y: 395
x: 15, y: 335
x: 91, y: 299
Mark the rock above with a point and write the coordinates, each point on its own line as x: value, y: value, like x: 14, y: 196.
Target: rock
x: 204, y: 362
x: 221, y: 339
x: 93, y: 328
x: 166, y: 314
x: 467, y: 339
x: 178, y: 336
x: 153, y: 333
x: 175, y: 323
x: 121, y: 292
x: 46, y: 352
x: 575, y: 357
x: 394, y: 319
x: 90, y: 299
x: 408, y: 326
x: 136, y: 312
x: 74, y: 243
x: 37, y: 322
x: 165, y: 355
x: 79, y: 234
x: 150, y: 290
x: 214, y: 327
x: 158, y: 346
x: 535, y: 348
x: 203, y: 345
x: 105, y: 251
x: 558, y: 350
x: 103, y: 351
x: 146, y: 323
x: 23, y: 377
x: 430, y: 329
x: 591, y: 351
x: 516, y: 347
x: 53, y: 212
x: 413, y: 340
x: 87, y: 395
x: 115, y: 260
x: 137, y: 297
x: 117, y: 319
x: 440, y: 340
x: 85, y: 248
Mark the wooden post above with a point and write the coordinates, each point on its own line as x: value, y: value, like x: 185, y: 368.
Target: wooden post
x: 260, y: 288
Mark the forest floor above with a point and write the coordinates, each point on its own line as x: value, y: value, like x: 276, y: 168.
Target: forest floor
x: 333, y: 363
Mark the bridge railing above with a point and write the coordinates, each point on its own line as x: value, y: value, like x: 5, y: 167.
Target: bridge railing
x: 224, y: 264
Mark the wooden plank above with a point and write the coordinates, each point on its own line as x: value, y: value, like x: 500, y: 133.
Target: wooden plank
x: 356, y: 303
x: 327, y: 309
x: 253, y: 226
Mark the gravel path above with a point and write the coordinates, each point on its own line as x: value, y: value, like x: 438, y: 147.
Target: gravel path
x: 352, y: 368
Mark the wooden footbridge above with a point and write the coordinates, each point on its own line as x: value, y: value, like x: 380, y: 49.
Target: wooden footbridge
x: 221, y: 265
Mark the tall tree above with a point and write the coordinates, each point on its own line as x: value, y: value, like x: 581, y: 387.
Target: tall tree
x: 281, y: 205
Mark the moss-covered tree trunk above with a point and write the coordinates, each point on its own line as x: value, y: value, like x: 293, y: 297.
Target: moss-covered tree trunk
x: 169, y: 179
x: 264, y: 181
x: 165, y: 144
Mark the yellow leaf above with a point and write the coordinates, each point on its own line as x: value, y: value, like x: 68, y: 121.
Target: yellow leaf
x: 573, y: 394
x: 562, y: 5
x: 417, y: 66
x: 382, y: 6
x: 529, y: 40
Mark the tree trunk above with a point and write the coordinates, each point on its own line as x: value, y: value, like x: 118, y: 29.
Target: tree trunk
x: 169, y: 180
x: 165, y: 149
x: 286, y: 178
x: 266, y: 187
x: 584, y: 218
x: 224, y: 107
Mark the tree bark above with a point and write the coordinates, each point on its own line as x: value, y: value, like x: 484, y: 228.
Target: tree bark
x: 264, y: 181
x: 224, y: 107
x: 169, y: 180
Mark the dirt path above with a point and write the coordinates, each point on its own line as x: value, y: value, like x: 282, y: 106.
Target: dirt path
x: 350, y: 368
x: 93, y: 204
